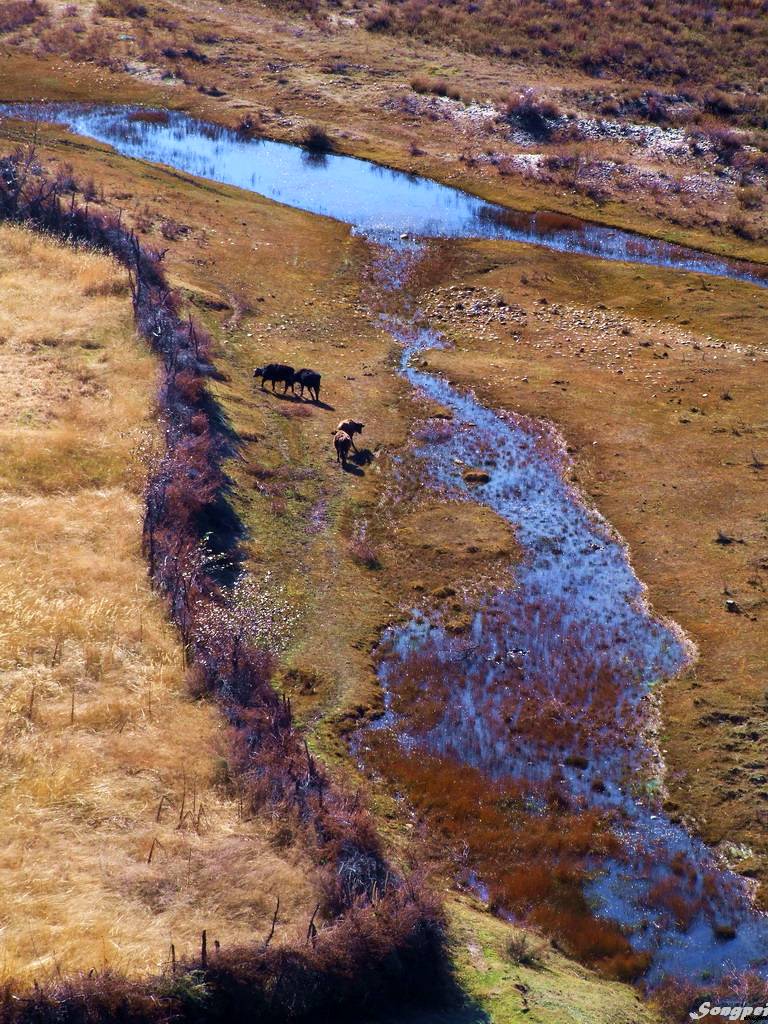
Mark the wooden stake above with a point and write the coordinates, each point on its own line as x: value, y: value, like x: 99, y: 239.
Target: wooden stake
x: 274, y: 922
x: 160, y: 807
x: 183, y: 803
x: 311, y: 930
x: 204, y: 949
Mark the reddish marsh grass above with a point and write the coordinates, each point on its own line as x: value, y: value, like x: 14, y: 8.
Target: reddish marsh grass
x: 18, y: 13
x: 530, y: 738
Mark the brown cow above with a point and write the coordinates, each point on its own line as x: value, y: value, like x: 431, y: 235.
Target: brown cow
x: 351, y: 427
x: 342, y: 442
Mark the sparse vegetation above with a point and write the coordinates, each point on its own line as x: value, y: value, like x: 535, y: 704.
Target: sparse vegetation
x: 249, y: 125
x: 710, y: 190
x: 523, y: 950
x: 533, y: 113
x: 671, y: 41
x: 19, y: 13
x: 437, y: 86
x: 361, y: 549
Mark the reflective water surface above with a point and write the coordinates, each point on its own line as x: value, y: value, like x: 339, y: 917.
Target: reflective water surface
x: 375, y: 200
x: 553, y: 686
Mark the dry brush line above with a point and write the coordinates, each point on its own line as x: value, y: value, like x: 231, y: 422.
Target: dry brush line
x: 385, y: 936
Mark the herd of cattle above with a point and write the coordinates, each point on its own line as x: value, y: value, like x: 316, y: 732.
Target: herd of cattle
x: 280, y: 373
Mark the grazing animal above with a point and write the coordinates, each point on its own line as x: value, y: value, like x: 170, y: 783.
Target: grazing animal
x: 309, y: 379
x: 351, y: 427
x: 277, y: 373
x: 342, y: 442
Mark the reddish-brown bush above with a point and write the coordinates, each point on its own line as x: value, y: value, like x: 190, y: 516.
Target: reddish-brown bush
x: 674, y: 41
x: 533, y: 113
x: 437, y: 86
x: 317, y: 140
x: 16, y: 14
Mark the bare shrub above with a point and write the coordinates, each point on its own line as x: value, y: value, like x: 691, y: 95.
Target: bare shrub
x: 172, y: 230
x: 523, y: 950
x: 437, y: 86
x: 740, y: 225
x: 317, y: 140
x: 249, y: 125
x: 533, y: 113
x: 380, y: 19
x: 121, y: 9
x: 17, y: 13
x: 724, y: 104
x: 751, y: 198
x: 727, y: 143
x: 361, y: 549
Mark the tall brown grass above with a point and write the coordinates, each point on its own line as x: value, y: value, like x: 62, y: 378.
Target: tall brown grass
x: 683, y: 42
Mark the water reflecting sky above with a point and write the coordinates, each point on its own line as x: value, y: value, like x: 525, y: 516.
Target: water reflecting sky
x: 375, y: 200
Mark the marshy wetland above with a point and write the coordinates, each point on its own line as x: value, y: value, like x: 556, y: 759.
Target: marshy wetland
x: 513, y: 692
x: 550, y: 692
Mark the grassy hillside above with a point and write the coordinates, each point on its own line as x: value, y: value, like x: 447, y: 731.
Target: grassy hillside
x: 680, y: 42
x: 117, y: 839
x: 688, y: 164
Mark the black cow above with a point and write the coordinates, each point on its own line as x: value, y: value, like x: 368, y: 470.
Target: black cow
x: 309, y: 379
x: 277, y: 373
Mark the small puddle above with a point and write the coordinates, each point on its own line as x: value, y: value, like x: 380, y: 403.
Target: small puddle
x: 553, y: 685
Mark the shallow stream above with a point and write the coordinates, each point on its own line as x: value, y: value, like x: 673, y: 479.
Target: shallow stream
x: 574, y: 643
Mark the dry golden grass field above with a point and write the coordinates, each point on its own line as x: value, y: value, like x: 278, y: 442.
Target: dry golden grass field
x: 117, y: 839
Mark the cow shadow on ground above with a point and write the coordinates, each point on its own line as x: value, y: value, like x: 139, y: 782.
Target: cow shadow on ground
x: 298, y: 400
x: 355, y: 460
x: 362, y: 457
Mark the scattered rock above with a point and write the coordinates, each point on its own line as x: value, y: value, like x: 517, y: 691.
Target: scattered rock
x: 476, y: 476
x: 724, y: 932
